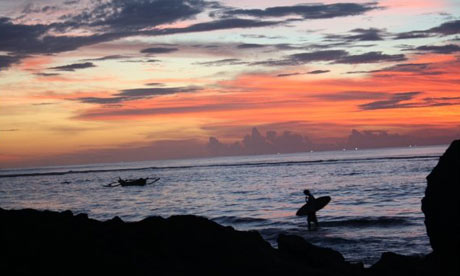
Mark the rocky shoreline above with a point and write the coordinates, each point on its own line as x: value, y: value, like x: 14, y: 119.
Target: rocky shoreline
x: 60, y: 243
x: 55, y: 243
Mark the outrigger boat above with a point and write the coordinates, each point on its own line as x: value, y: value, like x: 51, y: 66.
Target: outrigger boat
x: 132, y: 182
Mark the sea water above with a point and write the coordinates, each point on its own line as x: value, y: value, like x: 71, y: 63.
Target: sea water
x: 375, y: 204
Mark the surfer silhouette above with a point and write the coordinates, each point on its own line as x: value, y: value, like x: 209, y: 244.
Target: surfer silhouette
x: 311, y: 216
x: 312, y: 206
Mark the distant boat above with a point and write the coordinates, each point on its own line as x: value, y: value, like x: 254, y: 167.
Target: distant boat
x: 133, y: 182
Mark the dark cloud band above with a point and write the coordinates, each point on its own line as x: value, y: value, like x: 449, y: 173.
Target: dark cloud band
x: 333, y: 56
x: 6, y: 61
x: 395, y: 101
x: 313, y: 11
x: 445, y: 29
x: 137, y: 93
x: 158, y: 50
x: 73, y: 67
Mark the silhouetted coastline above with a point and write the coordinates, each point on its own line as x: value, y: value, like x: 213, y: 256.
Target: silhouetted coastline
x: 50, y: 243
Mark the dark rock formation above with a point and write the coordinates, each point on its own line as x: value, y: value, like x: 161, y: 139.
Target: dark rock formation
x: 392, y: 264
x: 441, y: 206
x: 51, y: 243
x: 299, y: 249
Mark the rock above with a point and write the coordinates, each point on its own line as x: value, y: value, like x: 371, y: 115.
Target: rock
x: 298, y: 248
x: 441, y: 206
x: 115, y: 220
x: 51, y: 243
x: 392, y: 264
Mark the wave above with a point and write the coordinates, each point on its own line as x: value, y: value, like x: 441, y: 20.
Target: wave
x: 359, y: 222
x: 72, y: 172
x: 336, y: 240
x: 247, y: 164
x: 318, y: 238
x: 237, y: 220
x: 369, y: 222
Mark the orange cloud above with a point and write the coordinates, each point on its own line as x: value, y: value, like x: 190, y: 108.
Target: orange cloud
x: 420, y: 91
x: 36, y: 63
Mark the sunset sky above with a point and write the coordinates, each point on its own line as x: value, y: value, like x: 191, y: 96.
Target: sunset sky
x: 109, y: 80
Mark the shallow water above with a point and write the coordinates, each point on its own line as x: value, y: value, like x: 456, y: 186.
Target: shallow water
x: 375, y: 194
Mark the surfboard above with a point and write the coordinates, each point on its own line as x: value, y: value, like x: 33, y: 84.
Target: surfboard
x: 319, y: 204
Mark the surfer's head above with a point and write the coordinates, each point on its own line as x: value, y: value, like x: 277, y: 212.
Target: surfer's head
x: 306, y: 192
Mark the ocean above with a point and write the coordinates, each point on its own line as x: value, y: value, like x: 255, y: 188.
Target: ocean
x: 375, y: 207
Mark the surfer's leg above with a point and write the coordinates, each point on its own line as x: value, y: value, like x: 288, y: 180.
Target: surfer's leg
x: 315, y: 220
